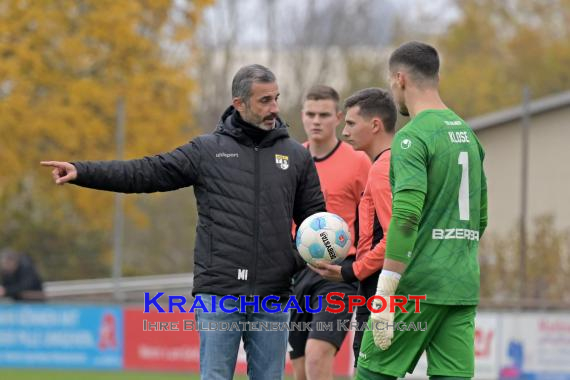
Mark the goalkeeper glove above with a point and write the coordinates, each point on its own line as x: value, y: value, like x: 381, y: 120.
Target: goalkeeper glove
x: 383, y: 322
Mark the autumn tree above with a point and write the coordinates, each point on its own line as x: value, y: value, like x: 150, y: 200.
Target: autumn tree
x: 64, y: 66
x: 495, y: 48
x: 545, y: 279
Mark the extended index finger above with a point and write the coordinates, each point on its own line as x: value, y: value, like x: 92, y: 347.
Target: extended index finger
x: 54, y: 164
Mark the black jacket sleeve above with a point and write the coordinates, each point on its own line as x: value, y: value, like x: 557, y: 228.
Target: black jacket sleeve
x: 347, y: 270
x: 163, y: 172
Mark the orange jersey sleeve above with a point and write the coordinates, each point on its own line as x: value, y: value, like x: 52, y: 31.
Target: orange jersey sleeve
x: 375, y: 211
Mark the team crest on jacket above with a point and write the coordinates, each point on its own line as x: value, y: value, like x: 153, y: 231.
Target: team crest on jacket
x: 282, y: 161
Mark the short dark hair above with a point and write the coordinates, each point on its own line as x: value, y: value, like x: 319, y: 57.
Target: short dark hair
x: 419, y: 58
x: 246, y: 76
x: 322, y: 92
x: 374, y: 102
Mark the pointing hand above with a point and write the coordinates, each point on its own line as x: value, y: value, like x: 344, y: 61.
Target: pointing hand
x: 62, y: 172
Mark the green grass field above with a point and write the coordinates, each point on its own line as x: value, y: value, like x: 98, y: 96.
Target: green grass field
x: 46, y: 374
x: 43, y: 374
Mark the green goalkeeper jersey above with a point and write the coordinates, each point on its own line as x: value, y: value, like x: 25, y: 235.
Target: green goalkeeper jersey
x: 438, y: 154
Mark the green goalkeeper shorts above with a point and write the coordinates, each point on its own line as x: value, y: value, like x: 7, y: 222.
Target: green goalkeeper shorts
x: 449, y: 339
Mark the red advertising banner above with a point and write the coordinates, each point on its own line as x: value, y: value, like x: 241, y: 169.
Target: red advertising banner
x: 171, y: 350
x: 160, y: 350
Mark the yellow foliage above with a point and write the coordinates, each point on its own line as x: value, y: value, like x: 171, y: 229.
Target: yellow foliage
x: 495, y: 48
x: 64, y: 65
x: 546, y: 268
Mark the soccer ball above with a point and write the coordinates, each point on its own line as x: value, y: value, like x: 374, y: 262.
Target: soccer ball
x: 324, y: 237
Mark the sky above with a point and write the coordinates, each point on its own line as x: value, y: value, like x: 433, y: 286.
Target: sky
x: 370, y: 25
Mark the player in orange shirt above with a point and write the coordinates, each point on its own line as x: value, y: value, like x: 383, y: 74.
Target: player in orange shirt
x: 370, y: 126
x: 343, y: 174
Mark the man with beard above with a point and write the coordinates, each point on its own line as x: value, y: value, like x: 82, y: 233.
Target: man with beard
x: 251, y: 181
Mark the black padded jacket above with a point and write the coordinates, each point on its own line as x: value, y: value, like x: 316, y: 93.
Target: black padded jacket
x: 247, y: 196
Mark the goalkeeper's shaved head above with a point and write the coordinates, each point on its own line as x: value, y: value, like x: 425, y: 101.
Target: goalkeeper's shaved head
x: 419, y: 60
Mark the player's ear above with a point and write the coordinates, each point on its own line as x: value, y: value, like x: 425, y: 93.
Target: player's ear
x: 401, y: 79
x: 377, y: 125
x: 340, y: 116
x: 238, y: 104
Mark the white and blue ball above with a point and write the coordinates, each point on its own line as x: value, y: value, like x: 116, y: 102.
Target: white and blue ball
x: 323, y: 236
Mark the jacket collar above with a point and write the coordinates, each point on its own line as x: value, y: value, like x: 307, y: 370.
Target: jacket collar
x: 226, y: 126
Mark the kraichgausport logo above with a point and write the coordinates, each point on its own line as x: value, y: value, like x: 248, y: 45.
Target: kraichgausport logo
x: 333, y: 302
x: 274, y: 304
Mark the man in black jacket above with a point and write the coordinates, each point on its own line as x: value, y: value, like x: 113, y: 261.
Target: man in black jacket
x: 20, y: 280
x: 251, y: 180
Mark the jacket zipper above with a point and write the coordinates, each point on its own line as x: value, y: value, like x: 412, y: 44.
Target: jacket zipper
x: 256, y: 221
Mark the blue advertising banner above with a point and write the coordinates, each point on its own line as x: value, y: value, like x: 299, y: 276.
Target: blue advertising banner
x: 61, y: 336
